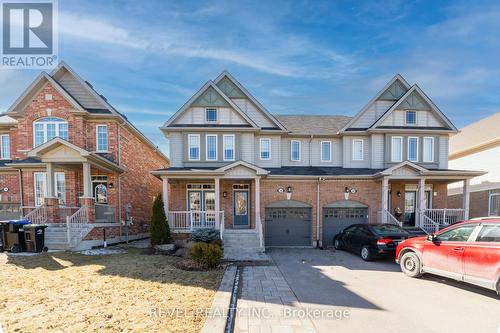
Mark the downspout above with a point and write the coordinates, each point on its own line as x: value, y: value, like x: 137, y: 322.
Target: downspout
x: 317, y: 213
x: 119, y: 182
x: 21, y: 190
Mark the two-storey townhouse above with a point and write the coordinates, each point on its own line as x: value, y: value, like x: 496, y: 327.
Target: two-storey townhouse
x: 72, y: 161
x: 297, y: 180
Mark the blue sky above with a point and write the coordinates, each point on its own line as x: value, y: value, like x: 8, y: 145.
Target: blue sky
x: 313, y: 57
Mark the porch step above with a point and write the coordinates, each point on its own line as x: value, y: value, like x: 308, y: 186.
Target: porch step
x: 240, y: 239
x: 246, y: 254
x: 416, y: 231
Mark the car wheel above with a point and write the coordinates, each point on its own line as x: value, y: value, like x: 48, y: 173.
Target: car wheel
x: 337, y: 244
x: 366, y: 254
x: 411, y: 265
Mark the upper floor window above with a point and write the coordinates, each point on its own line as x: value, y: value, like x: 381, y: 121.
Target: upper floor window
x: 295, y: 150
x: 265, y: 149
x: 5, y: 147
x: 428, y: 149
x: 101, y: 138
x: 48, y: 128
x: 228, y: 147
x: 411, y: 117
x: 396, y: 149
x: 194, y: 147
x: 413, y: 149
x: 211, y: 115
x: 357, y: 150
x: 211, y: 147
x: 326, y: 151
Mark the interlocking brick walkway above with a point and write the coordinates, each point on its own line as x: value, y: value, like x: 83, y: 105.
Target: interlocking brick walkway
x: 266, y: 303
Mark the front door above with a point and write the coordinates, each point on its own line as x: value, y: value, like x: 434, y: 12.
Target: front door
x: 195, y: 205
x: 241, y: 209
x: 409, y: 216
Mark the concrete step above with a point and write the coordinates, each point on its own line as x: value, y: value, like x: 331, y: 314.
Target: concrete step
x: 246, y: 254
x: 57, y: 245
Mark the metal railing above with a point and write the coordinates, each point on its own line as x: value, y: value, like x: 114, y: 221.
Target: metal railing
x: 36, y: 215
x: 65, y: 211
x: 428, y: 225
x: 105, y: 213
x: 386, y: 217
x: 196, y: 219
x: 444, y: 217
x: 76, y: 223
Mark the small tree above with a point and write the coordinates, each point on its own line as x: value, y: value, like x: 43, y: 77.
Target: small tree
x: 160, y: 231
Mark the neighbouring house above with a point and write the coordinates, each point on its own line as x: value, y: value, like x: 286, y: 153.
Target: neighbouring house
x: 297, y: 180
x: 477, y: 147
x: 70, y: 160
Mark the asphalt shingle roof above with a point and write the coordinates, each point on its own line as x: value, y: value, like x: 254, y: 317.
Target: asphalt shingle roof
x: 313, y: 124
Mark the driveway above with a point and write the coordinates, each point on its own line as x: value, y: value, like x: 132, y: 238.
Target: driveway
x: 379, y: 297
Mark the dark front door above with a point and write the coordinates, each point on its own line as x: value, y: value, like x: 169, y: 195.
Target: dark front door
x: 410, y: 200
x: 241, y: 213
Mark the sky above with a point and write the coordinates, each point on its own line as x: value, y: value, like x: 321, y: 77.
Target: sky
x: 312, y: 57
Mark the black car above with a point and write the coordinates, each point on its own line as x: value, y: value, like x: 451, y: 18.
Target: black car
x: 370, y: 240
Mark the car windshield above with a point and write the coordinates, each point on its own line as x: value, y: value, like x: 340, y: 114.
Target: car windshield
x: 387, y: 229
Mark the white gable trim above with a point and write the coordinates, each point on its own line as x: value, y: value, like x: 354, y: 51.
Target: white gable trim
x: 375, y: 98
x: 258, y: 171
x: 207, y: 85
x: 38, y: 80
x: 434, y: 108
x: 250, y: 97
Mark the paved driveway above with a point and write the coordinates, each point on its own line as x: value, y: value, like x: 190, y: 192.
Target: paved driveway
x: 380, y: 298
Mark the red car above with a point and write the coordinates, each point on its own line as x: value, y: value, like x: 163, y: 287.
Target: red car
x: 468, y: 251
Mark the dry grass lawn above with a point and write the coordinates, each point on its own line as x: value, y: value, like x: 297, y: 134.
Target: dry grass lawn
x: 132, y: 292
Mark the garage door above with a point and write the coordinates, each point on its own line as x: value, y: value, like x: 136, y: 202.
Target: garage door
x: 288, y: 223
x: 340, y: 215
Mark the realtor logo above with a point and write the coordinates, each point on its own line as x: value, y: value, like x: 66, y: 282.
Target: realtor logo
x: 29, y: 38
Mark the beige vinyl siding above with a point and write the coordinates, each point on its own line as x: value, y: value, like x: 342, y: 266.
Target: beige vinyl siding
x: 247, y: 147
x: 225, y: 115
x: 81, y: 94
x: 253, y: 112
x: 275, y: 160
x: 347, y: 150
x: 286, y: 152
x: 374, y: 112
x: 377, y: 151
x: 176, y: 149
x: 336, y: 152
x: 424, y: 118
x: 443, y: 151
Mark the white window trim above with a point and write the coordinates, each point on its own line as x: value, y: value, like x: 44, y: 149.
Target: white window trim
x: 45, y: 123
x: 291, y: 150
x: 224, y: 147
x: 206, y: 147
x: 189, y: 147
x: 44, y: 189
x: 432, y: 149
x: 1, y: 147
x: 362, y: 150
x: 491, y: 194
x: 416, y: 117
x: 408, y: 148
x: 260, y: 149
x: 321, y: 151
x: 216, y: 115
x: 97, y: 138
x: 55, y: 185
x: 400, y: 148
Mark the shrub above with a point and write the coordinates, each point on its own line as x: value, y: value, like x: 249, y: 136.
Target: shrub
x: 205, y: 235
x: 160, y: 231
x: 207, y: 255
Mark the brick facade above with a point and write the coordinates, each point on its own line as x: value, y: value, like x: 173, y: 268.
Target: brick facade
x: 478, y: 206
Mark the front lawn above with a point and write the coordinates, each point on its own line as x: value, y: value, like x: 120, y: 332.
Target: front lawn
x: 129, y: 292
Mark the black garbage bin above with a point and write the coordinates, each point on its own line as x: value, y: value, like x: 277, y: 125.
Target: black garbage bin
x: 4, y: 228
x: 34, y: 237
x: 15, y: 235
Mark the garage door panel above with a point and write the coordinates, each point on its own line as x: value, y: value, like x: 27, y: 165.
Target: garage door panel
x: 337, y: 219
x: 288, y: 227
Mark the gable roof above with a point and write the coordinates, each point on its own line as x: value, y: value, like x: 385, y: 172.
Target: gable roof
x: 415, y: 91
x: 258, y: 170
x: 209, y: 85
x: 391, y: 88
x: 313, y: 124
x: 226, y: 74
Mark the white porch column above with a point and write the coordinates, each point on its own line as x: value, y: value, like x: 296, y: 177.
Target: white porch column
x: 421, y: 201
x: 217, y: 201
x: 50, y: 180
x: 466, y: 198
x: 257, y: 210
x: 385, y: 199
x: 165, y: 195
x: 87, y: 180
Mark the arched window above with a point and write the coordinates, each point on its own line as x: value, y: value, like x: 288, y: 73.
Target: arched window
x: 46, y: 129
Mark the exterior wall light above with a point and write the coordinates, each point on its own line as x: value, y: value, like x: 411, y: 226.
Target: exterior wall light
x: 289, y: 190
